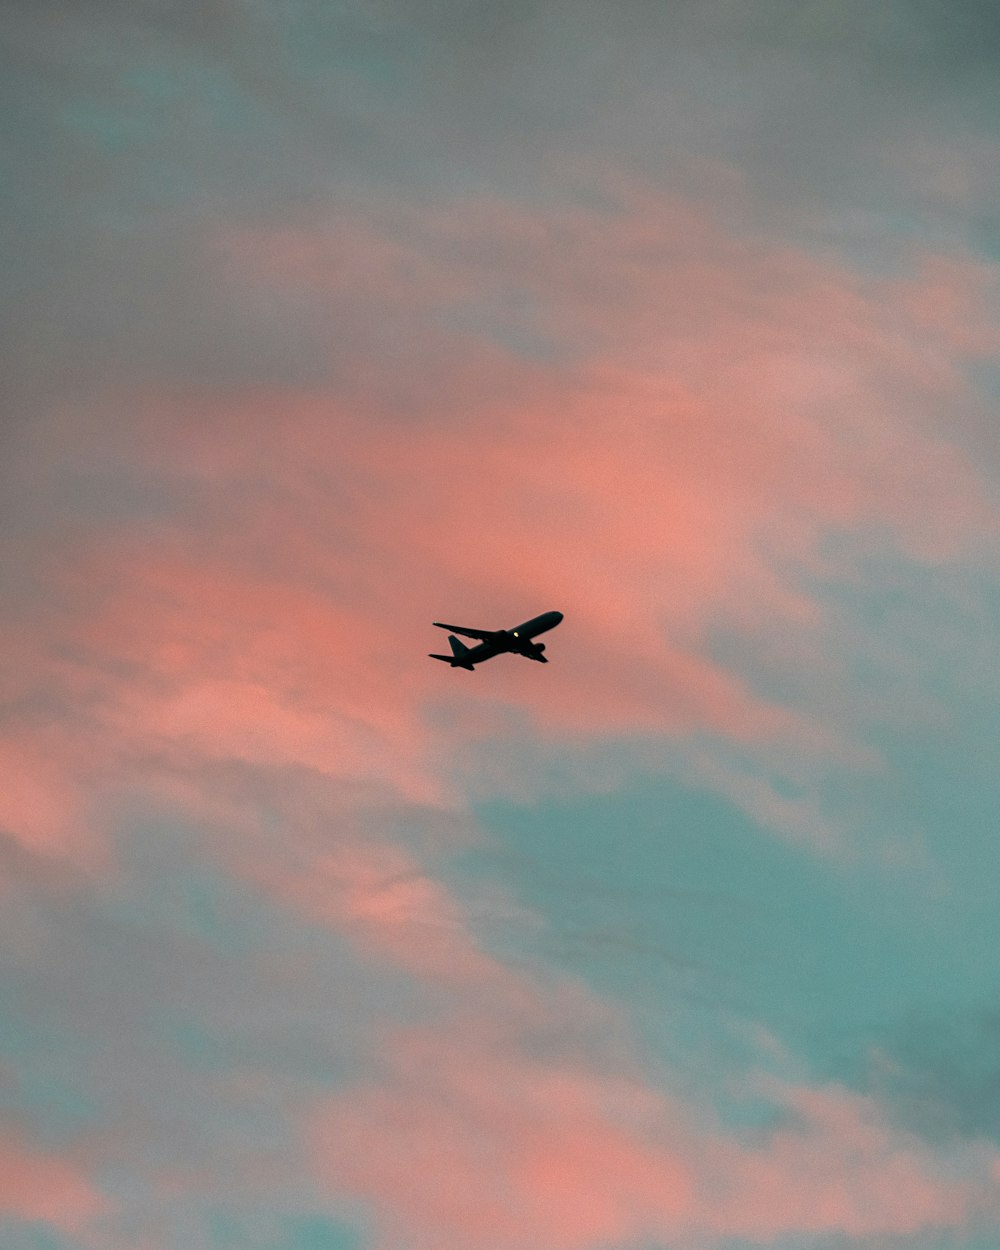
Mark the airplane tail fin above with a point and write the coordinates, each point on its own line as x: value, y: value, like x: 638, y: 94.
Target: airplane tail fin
x: 458, y: 648
x: 458, y: 653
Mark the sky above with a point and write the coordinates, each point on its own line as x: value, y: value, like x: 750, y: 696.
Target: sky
x: 326, y: 320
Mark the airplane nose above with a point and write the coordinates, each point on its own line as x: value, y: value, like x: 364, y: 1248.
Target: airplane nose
x: 558, y: 616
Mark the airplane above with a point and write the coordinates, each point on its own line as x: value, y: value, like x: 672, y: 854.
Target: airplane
x: 497, y: 642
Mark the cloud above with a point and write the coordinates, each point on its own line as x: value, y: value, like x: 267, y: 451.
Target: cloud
x: 44, y: 1187
x: 327, y: 321
x: 725, y: 408
x: 937, y: 1068
x: 721, y: 411
x: 468, y: 1140
x: 40, y: 809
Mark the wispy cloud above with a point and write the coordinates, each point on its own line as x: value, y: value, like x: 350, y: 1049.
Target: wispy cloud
x: 41, y: 1186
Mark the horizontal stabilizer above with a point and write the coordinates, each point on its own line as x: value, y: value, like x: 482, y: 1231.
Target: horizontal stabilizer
x: 453, y: 660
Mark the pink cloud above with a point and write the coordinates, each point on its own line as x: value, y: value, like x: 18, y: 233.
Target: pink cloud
x: 954, y: 299
x: 40, y: 807
x: 378, y: 894
x: 462, y: 1145
x: 726, y: 405
x: 840, y: 1167
x: 467, y: 1142
x: 731, y: 405
x: 37, y: 1186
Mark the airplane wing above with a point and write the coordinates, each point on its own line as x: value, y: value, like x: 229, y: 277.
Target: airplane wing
x: 484, y: 635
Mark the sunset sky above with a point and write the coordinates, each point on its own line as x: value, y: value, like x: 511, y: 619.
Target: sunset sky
x: 327, y: 319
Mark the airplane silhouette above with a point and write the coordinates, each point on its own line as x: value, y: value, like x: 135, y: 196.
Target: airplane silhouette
x: 497, y: 642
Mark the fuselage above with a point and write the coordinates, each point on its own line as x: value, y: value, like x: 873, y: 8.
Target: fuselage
x: 516, y: 639
x: 537, y: 625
